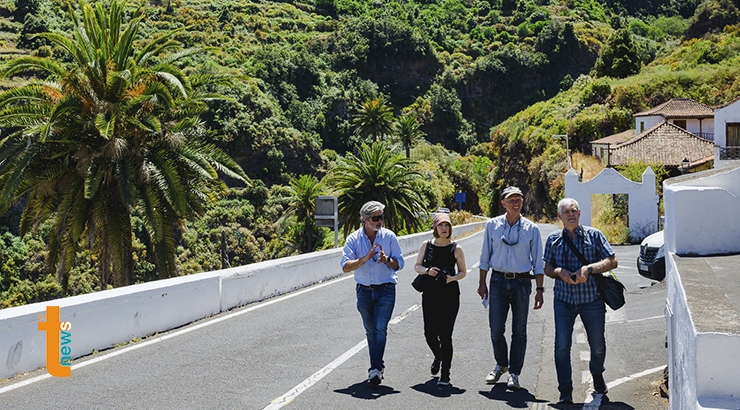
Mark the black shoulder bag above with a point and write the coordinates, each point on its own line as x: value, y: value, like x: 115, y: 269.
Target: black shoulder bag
x: 610, y: 288
x: 425, y: 282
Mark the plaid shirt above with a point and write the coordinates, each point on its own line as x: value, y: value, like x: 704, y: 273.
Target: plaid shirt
x: 594, y: 247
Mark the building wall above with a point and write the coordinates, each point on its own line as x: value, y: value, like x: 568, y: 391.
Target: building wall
x: 702, y: 232
x: 702, y: 373
x: 681, y: 342
x: 730, y: 113
x: 643, y: 201
x: 696, y: 126
x: 648, y: 122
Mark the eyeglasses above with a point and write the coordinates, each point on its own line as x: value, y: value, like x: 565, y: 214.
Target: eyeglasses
x: 518, y: 232
x: 377, y: 218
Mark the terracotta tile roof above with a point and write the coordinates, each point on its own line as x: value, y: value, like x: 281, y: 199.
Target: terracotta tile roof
x: 615, y: 139
x: 680, y: 108
x: 665, y: 144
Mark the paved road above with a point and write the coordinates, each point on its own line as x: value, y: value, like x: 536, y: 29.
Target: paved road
x: 306, y: 350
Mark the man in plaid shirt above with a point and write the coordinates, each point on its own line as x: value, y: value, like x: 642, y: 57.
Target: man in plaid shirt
x: 576, y: 294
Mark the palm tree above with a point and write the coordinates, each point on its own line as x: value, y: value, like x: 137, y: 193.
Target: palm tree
x: 115, y: 131
x: 304, y: 191
x: 377, y: 174
x: 407, y: 130
x: 374, y: 118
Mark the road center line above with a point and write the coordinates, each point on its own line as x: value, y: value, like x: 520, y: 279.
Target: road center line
x: 104, y: 356
x: 148, y: 342
x: 288, y: 397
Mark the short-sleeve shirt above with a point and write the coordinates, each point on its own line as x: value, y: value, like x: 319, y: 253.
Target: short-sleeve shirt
x: 371, y: 272
x: 594, y: 247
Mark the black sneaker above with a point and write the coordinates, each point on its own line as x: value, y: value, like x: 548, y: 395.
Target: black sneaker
x: 374, y: 376
x: 435, y: 367
x: 444, y: 380
x: 599, y: 383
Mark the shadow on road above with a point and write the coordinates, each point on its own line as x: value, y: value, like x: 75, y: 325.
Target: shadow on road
x: 432, y: 389
x: 602, y: 404
x: 517, y: 399
x: 366, y: 391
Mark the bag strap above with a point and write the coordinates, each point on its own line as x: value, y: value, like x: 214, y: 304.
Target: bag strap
x: 579, y: 255
x: 566, y: 237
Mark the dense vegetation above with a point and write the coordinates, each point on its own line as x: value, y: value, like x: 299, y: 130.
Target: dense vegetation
x: 475, y: 89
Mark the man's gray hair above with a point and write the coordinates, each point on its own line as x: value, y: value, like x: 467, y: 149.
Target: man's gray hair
x: 567, y: 203
x: 370, y: 208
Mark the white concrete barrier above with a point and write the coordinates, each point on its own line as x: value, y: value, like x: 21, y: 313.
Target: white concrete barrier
x: 103, y: 319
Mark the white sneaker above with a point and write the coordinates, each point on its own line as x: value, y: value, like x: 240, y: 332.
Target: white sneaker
x: 374, y: 376
x: 496, y: 374
x: 513, y: 382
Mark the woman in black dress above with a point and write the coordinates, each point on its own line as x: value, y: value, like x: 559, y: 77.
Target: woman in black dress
x: 444, y: 260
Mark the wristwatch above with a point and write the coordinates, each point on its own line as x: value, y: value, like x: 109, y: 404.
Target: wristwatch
x: 590, y: 270
x: 540, y: 288
x: 389, y: 260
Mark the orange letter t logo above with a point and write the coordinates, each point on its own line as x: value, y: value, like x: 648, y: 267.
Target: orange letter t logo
x: 52, y: 327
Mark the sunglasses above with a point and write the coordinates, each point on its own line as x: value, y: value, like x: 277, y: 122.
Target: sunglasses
x: 518, y: 233
x: 376, y: 218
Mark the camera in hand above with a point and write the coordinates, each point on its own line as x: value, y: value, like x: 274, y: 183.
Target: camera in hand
x: 442, y: 275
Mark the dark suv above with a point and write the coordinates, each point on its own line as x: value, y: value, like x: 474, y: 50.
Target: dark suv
x: 651, y: 261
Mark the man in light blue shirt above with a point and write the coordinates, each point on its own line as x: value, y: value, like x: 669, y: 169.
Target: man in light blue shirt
x: 374, y: 253
x: 512, y: 247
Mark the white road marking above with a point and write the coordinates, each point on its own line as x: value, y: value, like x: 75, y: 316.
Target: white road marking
x: 593, y: 401
x: 646, y: 318
x: 288, y: 397
x: 615, y: 315
x: 148, y: 342
x: 617, y: 382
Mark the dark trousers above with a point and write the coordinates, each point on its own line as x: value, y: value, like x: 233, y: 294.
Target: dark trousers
x: 440, y: 311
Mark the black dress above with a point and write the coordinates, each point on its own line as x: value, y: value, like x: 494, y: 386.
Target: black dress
x: 440, y: 305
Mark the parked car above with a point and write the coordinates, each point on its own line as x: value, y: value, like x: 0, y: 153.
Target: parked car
x: 443, y: 210
x: 651, y: 261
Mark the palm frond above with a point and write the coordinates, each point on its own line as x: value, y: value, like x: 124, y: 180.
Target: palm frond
x: 26, y: 64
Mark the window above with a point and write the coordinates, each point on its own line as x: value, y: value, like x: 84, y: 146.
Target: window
x: 680, y: 123
x: 642, y: 126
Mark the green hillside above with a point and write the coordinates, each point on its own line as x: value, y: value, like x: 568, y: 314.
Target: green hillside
x: 481, y: 87
x: 301, y: 70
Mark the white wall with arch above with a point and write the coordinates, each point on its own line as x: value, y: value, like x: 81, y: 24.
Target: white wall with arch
x: 643, y: 201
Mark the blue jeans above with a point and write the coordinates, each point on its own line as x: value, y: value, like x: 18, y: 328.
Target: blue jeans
x: 376, y: 307
x: 503, y: 293
x: 593, y: 317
